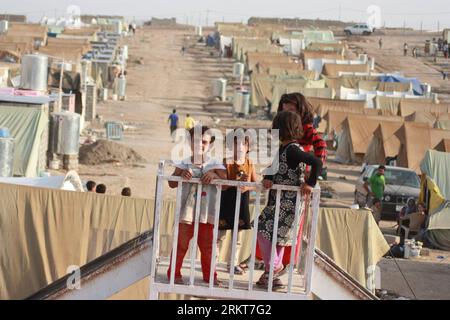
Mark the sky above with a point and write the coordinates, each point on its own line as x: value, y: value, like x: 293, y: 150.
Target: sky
x: 429, y: 14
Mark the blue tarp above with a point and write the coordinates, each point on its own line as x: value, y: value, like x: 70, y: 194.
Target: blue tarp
x: 416, y: 85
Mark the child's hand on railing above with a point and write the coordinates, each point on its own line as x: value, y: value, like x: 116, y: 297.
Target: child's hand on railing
x: 267, y: 184
x: 306, y: 189
x: 208, y: 177
x: 186, y: 174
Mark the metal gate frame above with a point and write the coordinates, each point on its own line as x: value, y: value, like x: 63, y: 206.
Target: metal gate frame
x: 231, y: 292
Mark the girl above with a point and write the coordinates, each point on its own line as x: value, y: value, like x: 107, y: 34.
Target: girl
x: 207, y: 169
x: 310, y: 139
x: 240, y: 168
x: 289, y: 173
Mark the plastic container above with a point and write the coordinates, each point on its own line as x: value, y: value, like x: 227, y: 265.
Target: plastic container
x: 4, y: 133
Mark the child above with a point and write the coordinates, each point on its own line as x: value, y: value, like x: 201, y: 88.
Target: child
x: 239, y: 168
x: 291, y: 167
x: 207, y: 169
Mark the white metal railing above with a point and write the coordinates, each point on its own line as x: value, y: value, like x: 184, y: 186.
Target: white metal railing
x: 160, y: 284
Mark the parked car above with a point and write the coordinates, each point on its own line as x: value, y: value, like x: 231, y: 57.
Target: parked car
x: 401, y: 184
x: 359, y: 29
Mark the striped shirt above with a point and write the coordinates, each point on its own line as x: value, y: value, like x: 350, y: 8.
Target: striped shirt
x: 312, y: 140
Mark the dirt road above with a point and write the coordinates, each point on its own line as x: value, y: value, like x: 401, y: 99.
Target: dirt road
x: 159, y: 79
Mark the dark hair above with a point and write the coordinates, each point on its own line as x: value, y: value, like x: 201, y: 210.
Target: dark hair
x: 90, y: 185
x: 204, y: 129
x: 289, y: 124
x: 304, y: 107
x: 126, y: 192
x: 188, y: 115
x: 233, y: 135
x: 174, y: 111
x: 376, y: 200
x: 382, y: 167
x: 101, y: 188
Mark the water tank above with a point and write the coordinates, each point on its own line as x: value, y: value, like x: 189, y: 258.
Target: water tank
x: 198, y: 31
x: 6, y: 153
x: 220, y: 89
x: 241, y: 102
x: 34, y: 72
x: 238, y: 70
x: 118, y: 26
x: 4, y: 26
x: 121, y: 86
x: 125, y: 52
x: 372, y: 63
x: 64, y: 133
x: 363, y: 58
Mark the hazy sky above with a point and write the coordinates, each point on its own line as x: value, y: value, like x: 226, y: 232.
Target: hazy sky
x: 393, y: 12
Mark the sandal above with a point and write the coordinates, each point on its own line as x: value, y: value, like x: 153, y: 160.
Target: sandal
x: 238, y: 270
x: 263, y: 282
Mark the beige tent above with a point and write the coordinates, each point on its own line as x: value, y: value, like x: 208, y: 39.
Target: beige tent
x: 442, y: 124
x: 357, y: 131
x: 309, y: 54
x: 405, y: 107
x: 352, y: 82
x: 443, y: 146
x: 394, y: 86
x: 416, y: 139
x: 253, y: 58
x: 384, y: 143
x: 409, y: 106
x: 322, y: 106
x: 423, y: 117
x: 333, y: 69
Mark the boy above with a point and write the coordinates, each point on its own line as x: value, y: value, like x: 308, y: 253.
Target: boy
x: 199, y: 165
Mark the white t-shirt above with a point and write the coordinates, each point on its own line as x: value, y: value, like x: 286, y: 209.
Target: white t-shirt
x: 189, y: 192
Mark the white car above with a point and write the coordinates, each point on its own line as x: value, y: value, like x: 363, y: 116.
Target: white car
x: 359, y: 29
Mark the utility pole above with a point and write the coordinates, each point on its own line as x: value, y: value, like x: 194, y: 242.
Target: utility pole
x: 421, y: 26
x: 439, y: 26
x: 207, y: 18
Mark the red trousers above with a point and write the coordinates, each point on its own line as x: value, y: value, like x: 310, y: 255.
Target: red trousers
x: 204, y: 241
x: 287, y: 250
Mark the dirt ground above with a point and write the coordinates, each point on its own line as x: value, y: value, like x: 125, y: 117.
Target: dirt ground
x: 160, y: 78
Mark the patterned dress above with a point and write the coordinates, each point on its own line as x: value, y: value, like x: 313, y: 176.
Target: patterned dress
x: 289, y: 177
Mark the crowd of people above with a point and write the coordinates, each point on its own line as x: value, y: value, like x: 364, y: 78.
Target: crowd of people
x: 91, y: 186
x: 301, y: 157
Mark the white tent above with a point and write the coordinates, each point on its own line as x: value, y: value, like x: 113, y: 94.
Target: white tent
x: 70, y: 182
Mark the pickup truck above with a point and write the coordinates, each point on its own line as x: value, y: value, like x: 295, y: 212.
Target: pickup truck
x: 359, y: 29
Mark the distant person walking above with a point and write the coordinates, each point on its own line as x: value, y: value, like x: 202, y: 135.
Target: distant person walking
x: 414, y: 52
x: 446, y: 47
x: 183, y: 50
x: 405, y: 49
x: 173, y: 120
x: 444, y: 75
x: 377, y: 184
x: 380, y: 43
x: 189, y: 122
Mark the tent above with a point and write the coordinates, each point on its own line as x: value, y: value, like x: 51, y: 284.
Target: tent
x: 28, y: 126
x: 70, y: 182
x: 423, y: 117
x: 435, y: 192
x: 333, y: 69
x: 44, y: 231
x: 443, y: 146
x: 384, y: 143
x: 357, y: 131
x: 442, y: 124
x: 409, y: 106
x: 415, y: 140
x: 416, y: 85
